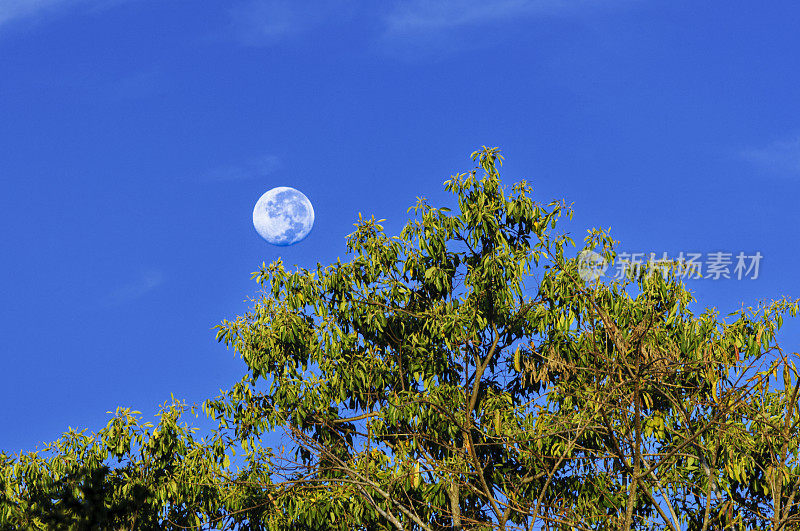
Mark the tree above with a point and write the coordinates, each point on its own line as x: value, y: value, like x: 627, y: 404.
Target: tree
x: 461, y: 375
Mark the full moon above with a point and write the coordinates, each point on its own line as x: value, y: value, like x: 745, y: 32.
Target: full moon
x: 283, y: 216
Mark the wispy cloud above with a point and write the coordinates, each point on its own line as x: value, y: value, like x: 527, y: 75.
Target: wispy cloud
x: 426, y: 29
x: 251, y: 169
x: 136, y: 288
x: 782, y: 157
x: 263, y: 22
x: 414, y: 23
x: 18, y: 10
x: 420, y: 16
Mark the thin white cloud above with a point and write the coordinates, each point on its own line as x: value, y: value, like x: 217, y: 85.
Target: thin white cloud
x: 137, y: 288
x: 427, y: 29
x: 422, y: 16
x: 264, y: 22
x: 430, y: 15
x: 19, y: 10
x: 260, y: 22
x: 414, y: 23
x: 252, y: 169
x: 782, y: 157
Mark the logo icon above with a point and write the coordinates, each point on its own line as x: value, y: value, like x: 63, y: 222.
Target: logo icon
x: 591, y: 265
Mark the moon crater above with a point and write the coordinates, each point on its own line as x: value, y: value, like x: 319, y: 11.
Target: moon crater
x: 283, y: 216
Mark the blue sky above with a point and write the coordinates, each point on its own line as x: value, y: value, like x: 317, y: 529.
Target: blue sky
x: 136, y: 136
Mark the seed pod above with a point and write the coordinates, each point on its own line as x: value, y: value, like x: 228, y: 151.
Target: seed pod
x: 497, y: 425
x: 417, y: 476
x: 517, y: 360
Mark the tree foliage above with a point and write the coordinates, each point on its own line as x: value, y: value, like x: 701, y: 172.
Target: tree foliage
x: 460, y: 375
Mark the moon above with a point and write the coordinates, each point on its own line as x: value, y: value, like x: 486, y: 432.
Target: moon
x: 283, y: 216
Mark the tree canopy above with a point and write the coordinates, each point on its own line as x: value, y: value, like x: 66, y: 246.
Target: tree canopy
x: 459, y: 375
